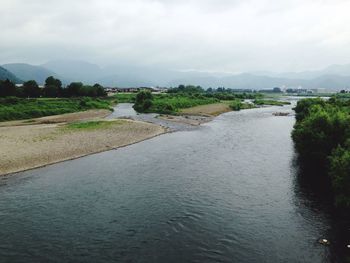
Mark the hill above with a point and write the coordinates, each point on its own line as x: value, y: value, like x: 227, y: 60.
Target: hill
x: 30, y: 72
x: 75, y: 70
x: 5, y: 74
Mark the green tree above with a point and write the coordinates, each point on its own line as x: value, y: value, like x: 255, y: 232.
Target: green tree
x: 100, y: 90
x: 53, y: 87
x: 51, y: 81
x: 143, y: 101
x: 74, y: 89
x: 31, y: 89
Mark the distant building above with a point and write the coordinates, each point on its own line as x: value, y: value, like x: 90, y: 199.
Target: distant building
x: 121, y: 90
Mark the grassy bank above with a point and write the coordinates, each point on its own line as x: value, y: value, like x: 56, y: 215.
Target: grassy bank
x: 12, y: 108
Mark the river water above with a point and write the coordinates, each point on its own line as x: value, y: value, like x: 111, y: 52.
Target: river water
x: 227, y: 191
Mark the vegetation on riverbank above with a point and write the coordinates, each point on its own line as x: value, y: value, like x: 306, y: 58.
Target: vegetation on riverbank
x: 52, y: 89
x: 31, y: 101
x: 125, y: 97
x: 12, y: 108
x: 322, y: 139
x: 261, y: 102
x: 169, y: 103
x: 237, y: 105
x: 184, y: 97
x: 92, y: 125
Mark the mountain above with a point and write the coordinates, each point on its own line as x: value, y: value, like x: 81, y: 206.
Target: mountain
x: 30, y: 72
x: 335, y: 77
x: 339, y: 70
x: 5, y: 74
x: 75, y: 70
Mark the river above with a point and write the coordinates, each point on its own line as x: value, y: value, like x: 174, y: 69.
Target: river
x: 228, y: 191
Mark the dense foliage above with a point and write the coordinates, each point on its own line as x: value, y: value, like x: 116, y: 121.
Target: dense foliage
x: 143, y: 101
x: 169, y: 103
x: 12, y: 108
x: 236, y: 105
x: 52, y: 89
x: 186, y: 89
x: 219, y: 93
x: 322, y: 140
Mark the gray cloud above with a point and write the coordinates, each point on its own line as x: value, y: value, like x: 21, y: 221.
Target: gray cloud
x: 218, y: 35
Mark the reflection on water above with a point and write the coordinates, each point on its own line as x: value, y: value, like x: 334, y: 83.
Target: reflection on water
x: 123, y: 110
x: 225, y: 192
x: 313, y: 192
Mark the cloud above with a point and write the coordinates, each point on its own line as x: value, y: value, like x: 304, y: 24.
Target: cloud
x: 204, y: 34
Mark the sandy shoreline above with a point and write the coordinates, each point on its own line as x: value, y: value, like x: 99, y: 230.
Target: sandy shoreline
x: 208, y: 110
x: 32, y: 146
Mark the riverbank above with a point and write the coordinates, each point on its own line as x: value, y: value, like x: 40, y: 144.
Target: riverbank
x: 33, y: 143
x: 209, y: 110
x: 62, y: 118
x: 28, y: 144
x: 25, y: 147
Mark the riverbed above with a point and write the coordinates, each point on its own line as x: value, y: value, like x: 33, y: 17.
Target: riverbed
x: 227, y: 191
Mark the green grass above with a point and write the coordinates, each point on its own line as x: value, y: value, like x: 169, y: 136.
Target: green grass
x: 237, y: 105
x: 173, y: 103
x: 18, y: 109
x: 125, y: 97
x: 271, y: 102
x: 92, y: 125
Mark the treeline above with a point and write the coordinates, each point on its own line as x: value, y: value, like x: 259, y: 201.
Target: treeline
x: 322, y: 139
x: 52, y: 89
x: 219, y: 93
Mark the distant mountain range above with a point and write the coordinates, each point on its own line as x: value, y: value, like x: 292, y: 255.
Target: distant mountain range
x: 335, y: 77
x: 29, y: 72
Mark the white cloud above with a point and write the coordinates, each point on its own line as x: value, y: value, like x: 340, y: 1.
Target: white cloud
x: 204, y: 34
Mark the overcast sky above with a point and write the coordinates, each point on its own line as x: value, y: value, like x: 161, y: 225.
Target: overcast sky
x: 213, y: 35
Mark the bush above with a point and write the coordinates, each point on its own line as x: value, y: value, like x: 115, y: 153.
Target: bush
x: 340, y: 175
x: 322, y: 138
x: 236, y: 105
x: 143, y: 101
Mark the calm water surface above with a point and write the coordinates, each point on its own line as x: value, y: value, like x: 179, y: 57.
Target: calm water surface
x: 225, y: 192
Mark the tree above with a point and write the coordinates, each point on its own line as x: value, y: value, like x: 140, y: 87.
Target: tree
x: 51, y: 91
x: 74, y: 89
x: 53, y: 87
x: 31, y: 89
x: 7, y: 88
x: 51, y: 81
x: 100, y: 90
x: 143, y: 101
